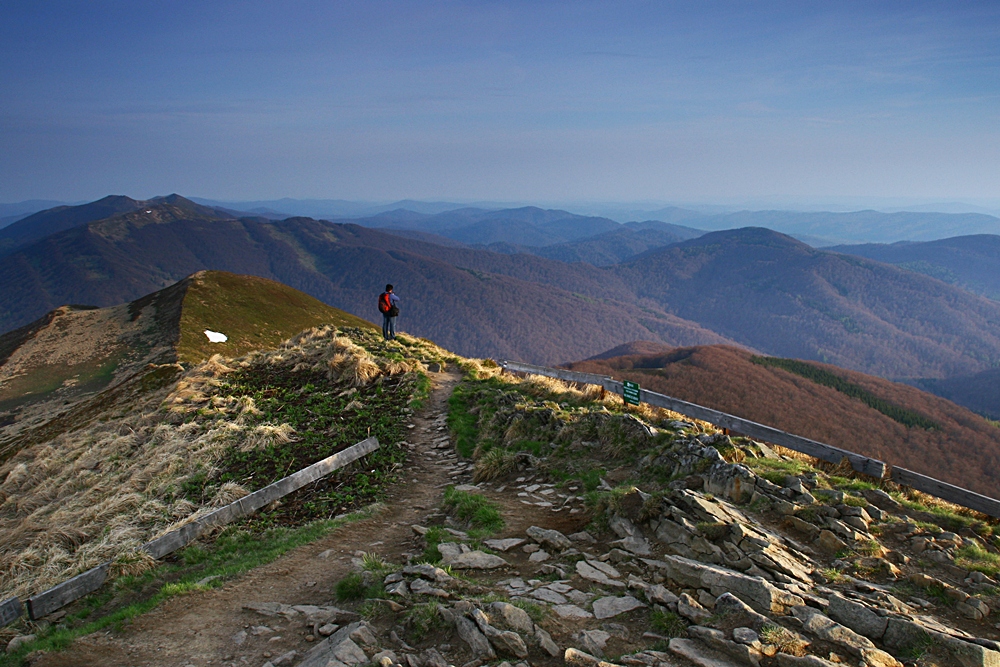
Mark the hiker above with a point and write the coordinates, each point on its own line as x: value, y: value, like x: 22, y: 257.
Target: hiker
x: 387, y: 306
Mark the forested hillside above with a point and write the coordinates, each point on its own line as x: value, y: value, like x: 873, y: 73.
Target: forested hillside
x: 894, y: 422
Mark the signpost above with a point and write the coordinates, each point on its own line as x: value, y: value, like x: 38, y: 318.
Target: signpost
x: 631, y: 392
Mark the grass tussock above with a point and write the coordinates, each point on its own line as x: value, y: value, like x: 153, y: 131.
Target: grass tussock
x: 482, y: 514
x: 224, y: 428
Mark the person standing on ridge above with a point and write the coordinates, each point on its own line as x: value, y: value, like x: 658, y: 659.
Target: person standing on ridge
x: 387, y: 306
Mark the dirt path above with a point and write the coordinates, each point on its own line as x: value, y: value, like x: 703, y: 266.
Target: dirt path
x: 199, y: 628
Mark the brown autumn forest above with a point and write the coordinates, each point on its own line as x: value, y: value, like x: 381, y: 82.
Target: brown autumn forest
x: 964, y: 450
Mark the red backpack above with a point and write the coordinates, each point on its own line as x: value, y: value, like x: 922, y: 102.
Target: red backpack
x: 384, y: 304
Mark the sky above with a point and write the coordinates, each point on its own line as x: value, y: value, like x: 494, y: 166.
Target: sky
x: 508, y: 101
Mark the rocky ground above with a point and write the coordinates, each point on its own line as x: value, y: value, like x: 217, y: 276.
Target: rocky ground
x: 720, y: 567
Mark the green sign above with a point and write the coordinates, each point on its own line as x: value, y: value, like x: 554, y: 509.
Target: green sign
x: 630, y: 392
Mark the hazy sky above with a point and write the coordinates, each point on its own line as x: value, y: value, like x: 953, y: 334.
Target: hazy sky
x: 504, y: 101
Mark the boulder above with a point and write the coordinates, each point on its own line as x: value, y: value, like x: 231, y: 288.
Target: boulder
x: 592, y: 641
x: 735, y: 611
x: 874, y: 657
x: 477, y: 560
x: 699, y: 654
x: 755, y: 591
x: 829, y: 630
x: 829, y: 542
x: 587, y: 571
x: 513, y: 617
x: 570, y: 611
x: 549, y: 538
x: 692, y: 610
x: 349, y: 653
x: 609, y: 607
x: 731, y: 481
x: 470, y: 634
x: 428, y: 572
x: 716, y: 639
x: 579, y: 658
x: 544, y: 641
x: 505, y: 544
x: 857, y: 617
x: 786, y: 660
x: 17, y: 642
x: 660, y: 594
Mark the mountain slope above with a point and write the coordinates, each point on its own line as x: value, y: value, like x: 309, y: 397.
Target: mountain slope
x: 980, y: 392
x: 971, y: 262
x: 962, y: 447
x: 775, y: 294
x: 60, y: 218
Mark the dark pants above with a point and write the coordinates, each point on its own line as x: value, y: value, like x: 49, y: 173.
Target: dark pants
x: 388, y: 327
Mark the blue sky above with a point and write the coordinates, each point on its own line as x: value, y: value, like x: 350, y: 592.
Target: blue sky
x: 533, y: 101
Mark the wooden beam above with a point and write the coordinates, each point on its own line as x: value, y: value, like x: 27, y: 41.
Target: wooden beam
x: 250, y: 503
x: 945, y: 491
x: 10, y: 611
x: 61, y: 595
x: 558, y: 373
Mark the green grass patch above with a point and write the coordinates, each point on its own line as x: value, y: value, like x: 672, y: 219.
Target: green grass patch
x: 422, y: 619
x: 482, y: 513
x: 971, y: 557
x: 668, y: 624
x: 233, y: 552
x: 435, y: 536
x: 463, y: 424
x: 421, y: 390
x: 359, y: 586
x: 827, y: 379
x: 535, y: 611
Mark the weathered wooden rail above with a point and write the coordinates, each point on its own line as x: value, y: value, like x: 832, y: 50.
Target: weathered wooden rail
x: 60, y: 595
x: 863, y: 464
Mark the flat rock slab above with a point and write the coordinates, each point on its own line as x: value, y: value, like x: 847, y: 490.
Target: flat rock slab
x: 571, y: 611
x: 548, y: 595
x: 699, y: 654
x: 504, y: 545
x: 477, y: 560
x: 605, y: 568
x: 591, y: 573
x: 611, y: 606
x: 549, y: 538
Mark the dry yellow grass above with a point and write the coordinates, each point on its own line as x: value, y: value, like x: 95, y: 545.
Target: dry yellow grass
x: 98, y: 493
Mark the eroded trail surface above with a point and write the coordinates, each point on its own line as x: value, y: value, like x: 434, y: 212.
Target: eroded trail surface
x: 199, y: 628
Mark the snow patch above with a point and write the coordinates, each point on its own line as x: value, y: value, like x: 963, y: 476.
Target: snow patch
x: 216, y: 337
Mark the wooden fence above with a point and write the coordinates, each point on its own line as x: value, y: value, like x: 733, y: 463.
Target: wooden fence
x: 863, y: 464
x: 60, y: 595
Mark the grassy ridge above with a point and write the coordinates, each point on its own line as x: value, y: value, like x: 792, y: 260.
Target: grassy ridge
x: 828, y: 379
x: 255, y: 313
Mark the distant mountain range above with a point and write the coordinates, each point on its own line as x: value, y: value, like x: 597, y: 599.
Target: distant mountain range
x: 473, y: 301
x: 868, y: 415
x: 751, y: 287
x: 554, y: 234
x: 971, y: 262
